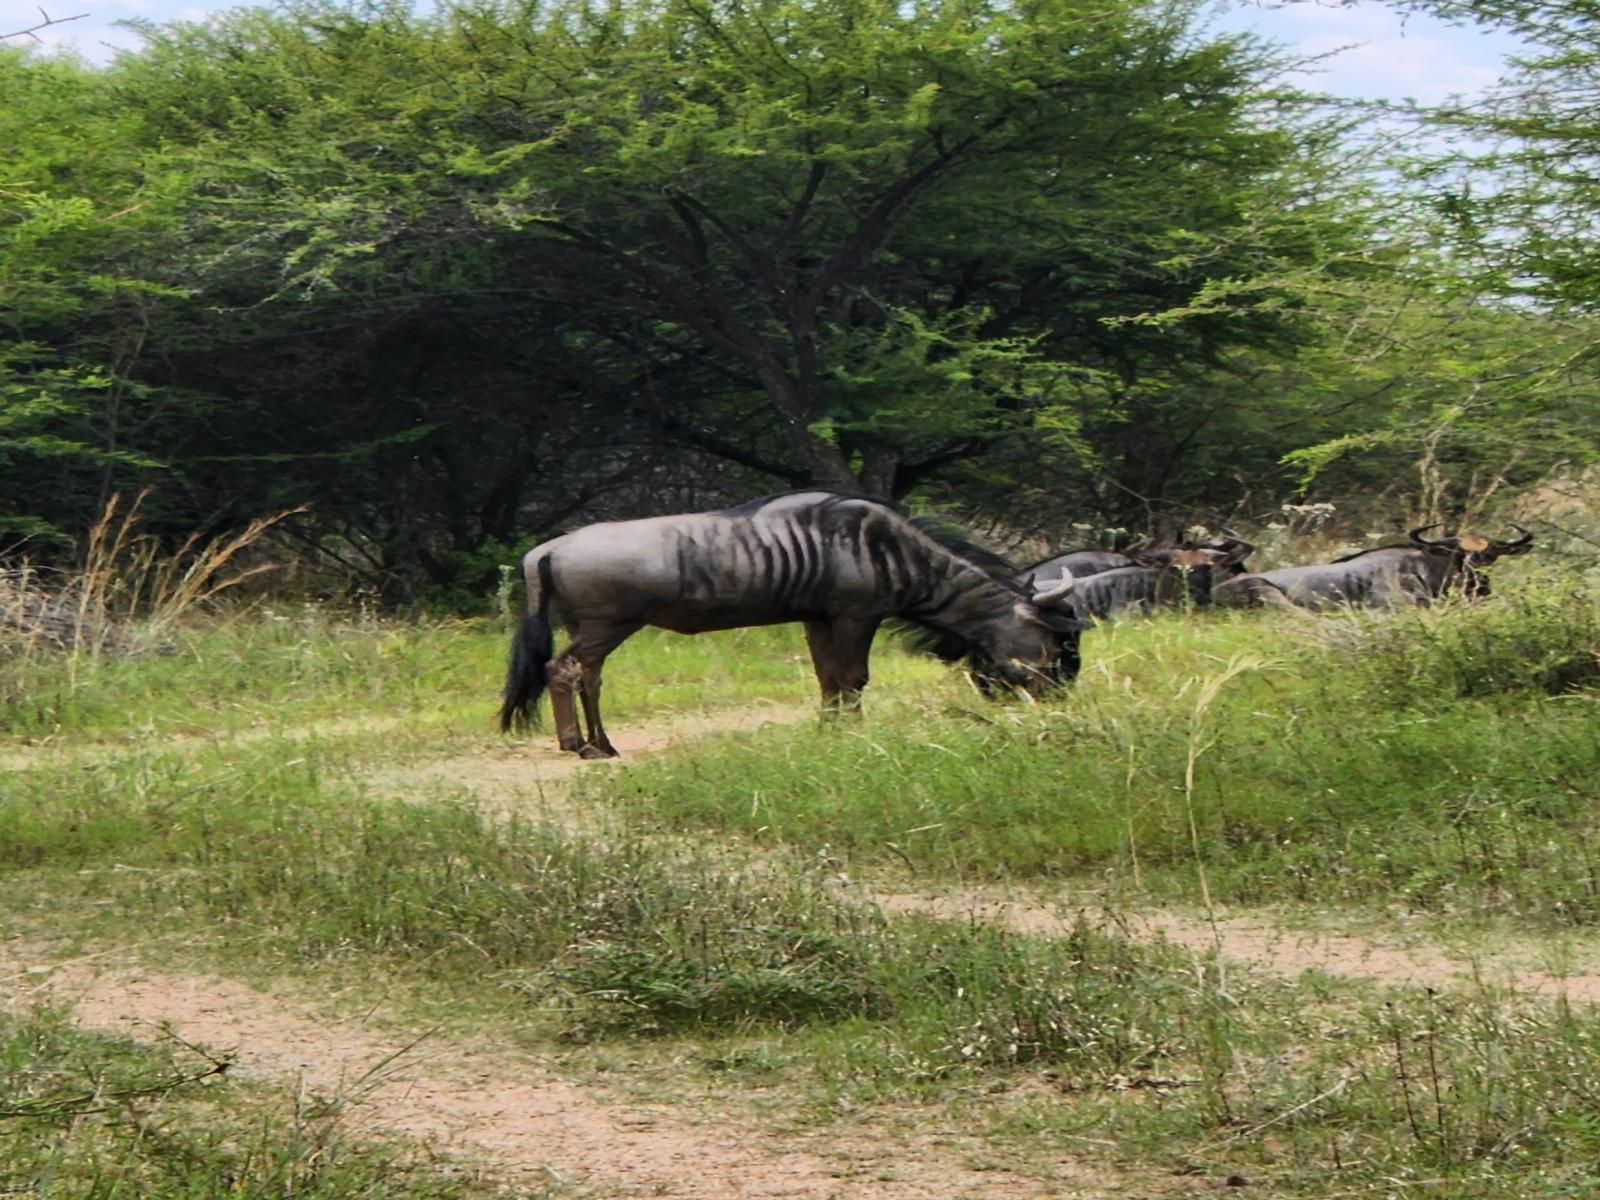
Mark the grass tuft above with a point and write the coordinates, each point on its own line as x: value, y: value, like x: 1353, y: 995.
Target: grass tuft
x: 97, y: 1116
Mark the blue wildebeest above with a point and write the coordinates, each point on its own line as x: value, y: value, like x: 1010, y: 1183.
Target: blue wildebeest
x: 1418, y: 573
x: 840, y: 564
x: 1165, y: 576
x: 1079, y: 564
x: 1084, y: 563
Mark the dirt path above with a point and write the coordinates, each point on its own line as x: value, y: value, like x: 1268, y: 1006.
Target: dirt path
x: 1258, y: 942
x: 495, y: 1107
x: 502, y: 1110
x: 505, y: 776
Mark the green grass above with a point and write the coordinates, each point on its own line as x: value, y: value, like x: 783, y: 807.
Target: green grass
x: 766, y: 975
x: 87, y: 1116
x: 1421, y: 760
x: 286, y: 669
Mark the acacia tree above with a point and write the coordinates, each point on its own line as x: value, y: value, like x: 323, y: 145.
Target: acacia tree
x: 841, y: 241
x: 73, y: 206
x: 1469, y: 369
x: 456, y: 279
x: 904, y: 224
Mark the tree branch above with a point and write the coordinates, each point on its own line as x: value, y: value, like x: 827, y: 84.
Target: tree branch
x: 33, y: 30
x: 712, y: 444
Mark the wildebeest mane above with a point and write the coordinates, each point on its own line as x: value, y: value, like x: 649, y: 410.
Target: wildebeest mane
x: 941, y: 643
x: 956, y: 540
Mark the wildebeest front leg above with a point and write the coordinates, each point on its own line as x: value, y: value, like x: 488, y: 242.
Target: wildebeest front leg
x: 839, y: 651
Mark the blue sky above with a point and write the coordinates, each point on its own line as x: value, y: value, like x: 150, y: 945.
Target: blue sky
x: 1380, y: 53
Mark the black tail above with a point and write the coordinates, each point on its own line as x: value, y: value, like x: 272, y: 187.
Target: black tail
x: 531, y: 648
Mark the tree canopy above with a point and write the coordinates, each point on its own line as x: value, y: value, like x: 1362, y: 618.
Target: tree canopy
x: 456, y: 279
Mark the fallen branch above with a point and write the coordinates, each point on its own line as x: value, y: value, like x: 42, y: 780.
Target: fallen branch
x: 79, y: 1105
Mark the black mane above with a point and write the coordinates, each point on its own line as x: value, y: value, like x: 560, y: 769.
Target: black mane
x: 956, y: 540
x: 941, y: 643
x: 751, y: 507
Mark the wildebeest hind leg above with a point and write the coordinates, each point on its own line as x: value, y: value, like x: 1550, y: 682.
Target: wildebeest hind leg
x: 564, y: 674
x: 598, y: 745
x: 590, y: 646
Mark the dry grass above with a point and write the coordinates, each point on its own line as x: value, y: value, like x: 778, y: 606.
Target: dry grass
x: 128, y: 594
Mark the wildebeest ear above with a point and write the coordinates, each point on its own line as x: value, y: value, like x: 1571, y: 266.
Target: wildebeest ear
x: 1054, y: 619
x: 1060, y: 622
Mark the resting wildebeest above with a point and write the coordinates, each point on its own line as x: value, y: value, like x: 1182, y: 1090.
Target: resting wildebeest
x: 841, y: 564
x: 1387, y: 575
x: 1081, y: 564
x: 1078, y: 564
x: 1173, y: 575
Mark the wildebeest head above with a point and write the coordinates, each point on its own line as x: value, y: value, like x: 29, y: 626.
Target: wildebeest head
x: 1467, y: 552
x: 1042, y: 653
x: 1224, y: 557
x: 1039, y: 653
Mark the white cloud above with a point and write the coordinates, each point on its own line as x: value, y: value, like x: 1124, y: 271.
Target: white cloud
x: 1426, y: 69
x: 1377, y: 53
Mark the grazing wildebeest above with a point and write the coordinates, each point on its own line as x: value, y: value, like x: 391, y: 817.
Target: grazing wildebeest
x: 1165, y: 576
x: 841, y: 564
x: 1417, y: 573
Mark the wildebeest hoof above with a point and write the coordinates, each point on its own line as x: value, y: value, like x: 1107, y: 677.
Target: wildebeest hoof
x: 593, y: 751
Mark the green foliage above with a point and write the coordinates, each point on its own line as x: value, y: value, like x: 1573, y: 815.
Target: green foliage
x: 317, y: 253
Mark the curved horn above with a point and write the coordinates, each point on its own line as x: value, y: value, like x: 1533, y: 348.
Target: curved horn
x: 1525, y: 539
x: 1055, y: 594
x: 1236, y: 546
x: 1416, y: 536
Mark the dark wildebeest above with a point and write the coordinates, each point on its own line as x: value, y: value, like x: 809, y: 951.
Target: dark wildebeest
x: 1418, y: 573
x: 841, y: 564
x: 1167, y: 576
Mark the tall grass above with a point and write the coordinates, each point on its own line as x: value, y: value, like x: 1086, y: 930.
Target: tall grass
x: 1418, y: 757
x: 127, y: 597
x: 288, y: 666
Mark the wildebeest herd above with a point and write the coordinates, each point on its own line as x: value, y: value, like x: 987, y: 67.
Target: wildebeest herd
x: 843, y: 565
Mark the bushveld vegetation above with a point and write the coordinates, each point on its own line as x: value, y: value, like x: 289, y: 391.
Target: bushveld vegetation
x: 218, y: 803
x: 378, y: 298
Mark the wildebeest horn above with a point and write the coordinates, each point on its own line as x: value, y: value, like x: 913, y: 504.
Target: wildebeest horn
x: 1057, y: 592
x: 1527, y: 536
x: 1235, y: 545
x: 1416, y: 536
